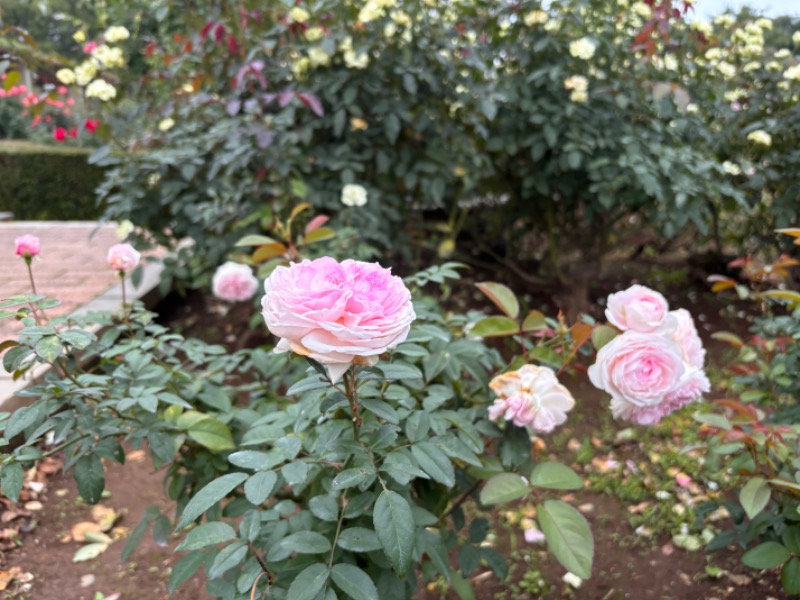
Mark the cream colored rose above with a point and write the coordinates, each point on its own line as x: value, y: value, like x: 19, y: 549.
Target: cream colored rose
x: 354, y: 195
x: 101, y: 89
x: 66, y: 76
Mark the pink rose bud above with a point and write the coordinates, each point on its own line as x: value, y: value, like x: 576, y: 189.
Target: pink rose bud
x: 638, y: 308
x: 531, y: 397
x: 337, y: 314
x: 234, y: 282
x: 123, y: 258
x: 27, y: 246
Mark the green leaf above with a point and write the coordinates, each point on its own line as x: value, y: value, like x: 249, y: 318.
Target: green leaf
x: 434, y: 462
x: 89, y: 551
x: 306, y: 542
x: 766, y: 555
x: 394, y: 524
x: 791, y: 539
x: 754, y: 496
x: 547, y: 356
x: 295, y: 473
x: 207, y: 534
x: 359, y: 539
x: 503, y: 297
x: 568, y: 536
x: 354, y: 582
x: 184, y: 569
x: 534, y: 321
x: 209, y: 495
x: 350, y: 477
x: 555, y: 476
x: 494, y: 327
x: 21, y: 419
x: 504, y: 487
x: 255, y: 240
x: 229, y: 557
x: 48, y: 348
x: 90, y: 477
x: 461, y: 586
x: 212, y: 434
x: 398, y: 372
x: 251, y: 459
x: 11, y: 479
x: 602, y: 334
x: 790, y: 576
x: 308, y: 583
x: 319, y: 235
x: 150, y: 514
x: 260, y: 486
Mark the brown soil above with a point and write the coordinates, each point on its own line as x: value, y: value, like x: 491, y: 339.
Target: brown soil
x: 133, y: 487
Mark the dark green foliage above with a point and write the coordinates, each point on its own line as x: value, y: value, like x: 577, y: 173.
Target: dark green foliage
x: 43, y: 183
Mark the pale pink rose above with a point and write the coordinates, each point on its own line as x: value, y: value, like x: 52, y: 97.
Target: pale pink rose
x: 27, y: 246
x: 531, y: 397
x: 638, y: 370
x: 337, y: 314
x: 234, y: 282
x: 683, y: 479
x: 123, y: 258
x: 689, y: 341
x: 638, y: 309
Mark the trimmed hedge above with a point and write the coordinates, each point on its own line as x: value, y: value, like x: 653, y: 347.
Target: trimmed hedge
x: 48, y: 183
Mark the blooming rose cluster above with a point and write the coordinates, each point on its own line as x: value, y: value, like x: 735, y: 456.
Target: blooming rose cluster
x: 656, y: 365
x: 531, y: 397
x: 234, y: 282
x: 339, y: 314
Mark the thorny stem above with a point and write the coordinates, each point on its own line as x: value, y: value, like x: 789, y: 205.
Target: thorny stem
x: 33, y: 288
x: 352, y: 397
x: 338, y: 530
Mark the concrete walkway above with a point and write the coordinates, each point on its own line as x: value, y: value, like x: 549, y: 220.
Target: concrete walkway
x: 71, y: 268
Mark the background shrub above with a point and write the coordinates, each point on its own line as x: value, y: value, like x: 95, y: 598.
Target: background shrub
x: 47, y: 182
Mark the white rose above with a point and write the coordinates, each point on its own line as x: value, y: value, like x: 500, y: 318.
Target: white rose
x: 354, y: 195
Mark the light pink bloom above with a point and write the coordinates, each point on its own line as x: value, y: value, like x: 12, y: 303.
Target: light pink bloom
x: 123, y: 257
x: 531, y: 397
x: 533, y: 536
x: 683, y: 479
x: 638, y: 308
x: 234, y: 282
x: 639, y: 370
x: 686, y: 335
x: 337, y: 314
x: 27, y: 246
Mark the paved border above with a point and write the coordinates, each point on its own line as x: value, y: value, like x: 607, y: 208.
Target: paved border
x: 110, y: 300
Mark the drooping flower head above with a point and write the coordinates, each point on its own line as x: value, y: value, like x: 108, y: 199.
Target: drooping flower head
x: 27, y: 246
x: 123, y: 258
x: 234, y: 282
x: 531, y: 397
x: 337, y: 313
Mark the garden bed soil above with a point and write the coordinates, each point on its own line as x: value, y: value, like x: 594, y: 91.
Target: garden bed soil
x: 624, y: 566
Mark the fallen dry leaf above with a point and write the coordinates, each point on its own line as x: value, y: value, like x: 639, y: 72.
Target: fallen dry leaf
x: 34, y: 505
x: 105, y: 516
x: 89, y: 551
x: 135, y: 456
x: 6, y: 577
x: 79, y: 530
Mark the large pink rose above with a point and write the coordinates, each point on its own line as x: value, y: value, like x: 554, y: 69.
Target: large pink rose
x: 234, y: 282
x: 639, y: 370
x: 638, y: 309
x: 337, y: 314
x: 123, y: 258
x: 691, y: 387
x: 531, y: 397
x: 685, y: 334
x: 27, y: 246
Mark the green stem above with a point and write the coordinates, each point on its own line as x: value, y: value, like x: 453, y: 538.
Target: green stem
x: 338, y: 530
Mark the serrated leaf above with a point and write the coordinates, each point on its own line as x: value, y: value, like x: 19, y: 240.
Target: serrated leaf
x: 350, y: 477
x: 502, y: 296
x: 207, y: 534
x: 555, y: 476
x: 319, y: 235
x: 11, y: 480
x: 308, y: 583
x: 212, y: 434
x: 754, y: 496
x: 494, y: 327
x: 48, y: 348
x: 790, y: 576
x: 504, y: 487
x: 354, y: 582
x: 434, y: 462
x: 568, y: 536
x: 229, y: 557
x: 602, y: 335
x: 255, y: 240
x: 394, y: 524
x: 185, y: 568
x: 359, y: 539
x: 90, y: 477
x: 209, y: 495
x: 534, y: 321
x: 258, y: 488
